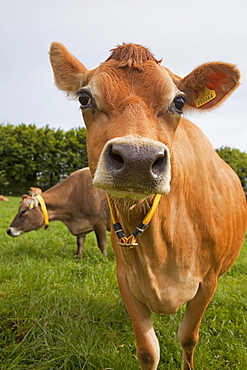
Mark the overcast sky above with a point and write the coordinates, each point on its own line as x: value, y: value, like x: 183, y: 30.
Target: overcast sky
x: 184, y: 34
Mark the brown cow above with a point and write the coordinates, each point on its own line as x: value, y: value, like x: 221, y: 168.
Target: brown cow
x: 139, y: 146
x: 80, y: 206
x: 34, y: 191
x: 3, y: 198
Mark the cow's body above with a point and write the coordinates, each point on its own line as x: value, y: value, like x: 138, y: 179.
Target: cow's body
x: 3, y: 198
x: 34, y: 191
x: 140, y: 145
x: 75, y: 202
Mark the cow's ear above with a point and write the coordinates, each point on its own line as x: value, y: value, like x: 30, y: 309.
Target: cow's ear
x: 210, y: 84
x: 69, y: 73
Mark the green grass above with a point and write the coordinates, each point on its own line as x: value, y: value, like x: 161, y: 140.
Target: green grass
x: 60, y: 313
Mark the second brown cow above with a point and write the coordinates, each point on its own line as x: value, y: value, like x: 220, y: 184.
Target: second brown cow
x: 75, y: 202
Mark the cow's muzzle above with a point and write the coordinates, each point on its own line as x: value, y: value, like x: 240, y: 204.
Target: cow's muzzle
x: 134, y: 167
x: 12, y: 231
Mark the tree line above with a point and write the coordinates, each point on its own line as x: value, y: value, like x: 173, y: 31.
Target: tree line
x: 238, y: 161
x: 43, y: 157
x: 39, y: 157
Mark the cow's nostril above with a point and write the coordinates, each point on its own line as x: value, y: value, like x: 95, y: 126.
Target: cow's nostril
x: 9, y: 231
x: 159, y: 164
x: 115, y: 157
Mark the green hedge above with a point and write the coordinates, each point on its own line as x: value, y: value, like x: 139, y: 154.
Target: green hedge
x: 40, y: 157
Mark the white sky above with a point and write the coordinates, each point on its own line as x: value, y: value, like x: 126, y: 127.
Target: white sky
x: 184, y: 34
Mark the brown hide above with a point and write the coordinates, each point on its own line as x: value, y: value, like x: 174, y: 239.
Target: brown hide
x: 34, y: 191
x: 3, y: 198
x: 139, y: 144
x: 75, y: 202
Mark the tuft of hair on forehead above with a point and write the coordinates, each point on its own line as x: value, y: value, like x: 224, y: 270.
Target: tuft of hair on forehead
x: 132, y: 55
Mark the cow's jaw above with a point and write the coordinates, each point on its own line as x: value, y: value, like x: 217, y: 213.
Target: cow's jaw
x: 134, y: 167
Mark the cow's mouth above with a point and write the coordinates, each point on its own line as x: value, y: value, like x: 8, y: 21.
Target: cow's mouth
x: 128, y: 193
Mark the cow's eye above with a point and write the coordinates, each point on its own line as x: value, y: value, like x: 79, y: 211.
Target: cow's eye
x: 23, y: 212
x: 179, y: 103
x: 85, y: 98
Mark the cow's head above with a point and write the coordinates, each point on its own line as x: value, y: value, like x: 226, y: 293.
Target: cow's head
x: 28, y: 218
x: 132, y: 107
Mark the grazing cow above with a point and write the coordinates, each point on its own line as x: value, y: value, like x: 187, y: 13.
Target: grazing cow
x: 80, y: 206
x: 147, y: 156
x: 3, y: 198
x: 34, y: 191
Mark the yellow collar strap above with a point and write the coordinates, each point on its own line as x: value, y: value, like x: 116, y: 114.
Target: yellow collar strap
x: 44, y: 210
x: 130, y: 241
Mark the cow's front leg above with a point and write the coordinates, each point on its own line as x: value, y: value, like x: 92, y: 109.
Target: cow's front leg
x: 100, y: 232
x: 188, y: 333
x: 146, y: 341
x: 80, y: 245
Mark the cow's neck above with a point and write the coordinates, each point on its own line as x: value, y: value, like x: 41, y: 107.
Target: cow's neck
x: 131, y: 219
x: 56, y: 201
x: 130, y: 241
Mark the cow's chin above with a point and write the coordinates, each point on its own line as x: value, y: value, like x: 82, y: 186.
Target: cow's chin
x: 132, y: 194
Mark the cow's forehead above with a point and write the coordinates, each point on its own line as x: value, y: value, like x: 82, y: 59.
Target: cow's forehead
x: 113, y: 85
x: 27, y: 201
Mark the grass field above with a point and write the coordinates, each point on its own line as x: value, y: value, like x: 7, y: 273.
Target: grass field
x: 60, y: 313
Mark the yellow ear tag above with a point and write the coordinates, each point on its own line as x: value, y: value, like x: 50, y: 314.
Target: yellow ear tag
x: 31, y: 205
x: 204, y: 97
